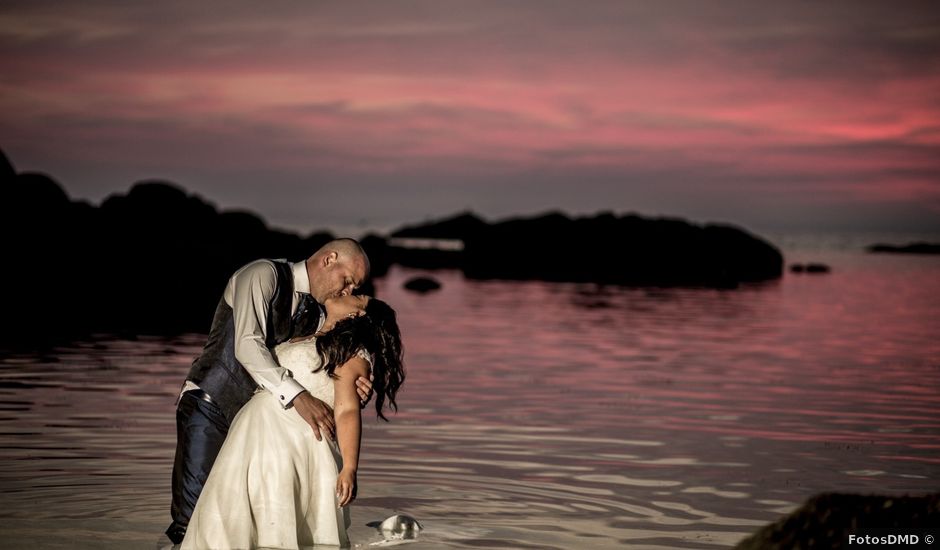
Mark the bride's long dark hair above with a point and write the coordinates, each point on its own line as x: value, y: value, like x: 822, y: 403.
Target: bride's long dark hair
x: 376, y: 332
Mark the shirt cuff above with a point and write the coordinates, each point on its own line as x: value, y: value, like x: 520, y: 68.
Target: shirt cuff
x: 287, y: 391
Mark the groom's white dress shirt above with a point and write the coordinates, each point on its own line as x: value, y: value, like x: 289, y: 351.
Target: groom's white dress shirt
x: 248, y: 293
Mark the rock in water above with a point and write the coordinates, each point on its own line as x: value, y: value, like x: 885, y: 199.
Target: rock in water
x: 912, y: 248
x: 422, y: 284
x: 810, y: 268
x: 624, y: 249
x: 817, y: 268
x: 398, y: 527
x: 827, y: 520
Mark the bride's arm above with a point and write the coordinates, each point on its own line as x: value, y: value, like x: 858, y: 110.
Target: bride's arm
x: 348, y: 424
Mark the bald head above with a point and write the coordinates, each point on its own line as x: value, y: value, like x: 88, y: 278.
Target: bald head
x: 338, y: 268
x: 348, y: 250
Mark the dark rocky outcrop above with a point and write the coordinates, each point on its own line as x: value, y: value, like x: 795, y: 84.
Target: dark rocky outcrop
x: 152, y: 260
x: 459, y: 227
x: 912, y: 248
x: 380, y: 258
x: 827, y: 520
x: 626, y: 250
x: 157, y: 258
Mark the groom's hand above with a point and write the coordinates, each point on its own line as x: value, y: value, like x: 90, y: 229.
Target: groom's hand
x: 364, y: 389
x: 316, y: 413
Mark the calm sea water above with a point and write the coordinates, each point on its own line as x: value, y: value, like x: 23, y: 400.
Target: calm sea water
x: 540, y: 415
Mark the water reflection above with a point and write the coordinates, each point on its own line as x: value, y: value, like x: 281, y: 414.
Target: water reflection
x: 538, y: 415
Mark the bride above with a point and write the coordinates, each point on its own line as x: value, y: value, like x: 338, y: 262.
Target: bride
x: 273, y: 484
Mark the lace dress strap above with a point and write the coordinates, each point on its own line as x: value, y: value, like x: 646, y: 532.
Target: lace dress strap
x: 367, y: 356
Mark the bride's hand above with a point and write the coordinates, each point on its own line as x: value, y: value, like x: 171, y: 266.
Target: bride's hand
x: 346, y: 487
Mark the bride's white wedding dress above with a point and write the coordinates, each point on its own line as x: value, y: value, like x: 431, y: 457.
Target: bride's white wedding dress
x: 273, y: 484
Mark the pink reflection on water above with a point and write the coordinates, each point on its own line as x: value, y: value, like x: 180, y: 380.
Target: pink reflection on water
x: 840, y: 359
x: 597, y: 409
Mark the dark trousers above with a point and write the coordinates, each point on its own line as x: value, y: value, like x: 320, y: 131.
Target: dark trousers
x: 200, y: 432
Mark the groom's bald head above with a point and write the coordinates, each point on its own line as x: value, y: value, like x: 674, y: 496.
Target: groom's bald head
x: 336, y: 269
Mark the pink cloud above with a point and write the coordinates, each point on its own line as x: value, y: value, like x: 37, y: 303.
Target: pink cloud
x: 616, y: 88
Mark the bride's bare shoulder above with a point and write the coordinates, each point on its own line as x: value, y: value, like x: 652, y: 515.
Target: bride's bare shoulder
x: 356, y: 366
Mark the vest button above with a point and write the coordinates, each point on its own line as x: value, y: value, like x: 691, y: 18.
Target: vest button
x: 282, y: 398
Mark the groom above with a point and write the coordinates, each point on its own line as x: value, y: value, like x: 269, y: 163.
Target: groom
x: 265, y: 303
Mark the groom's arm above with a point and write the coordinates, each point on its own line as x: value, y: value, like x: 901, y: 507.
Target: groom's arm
x: 251, y: 291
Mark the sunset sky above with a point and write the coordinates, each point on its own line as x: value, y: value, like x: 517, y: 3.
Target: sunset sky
x: 771, y: 115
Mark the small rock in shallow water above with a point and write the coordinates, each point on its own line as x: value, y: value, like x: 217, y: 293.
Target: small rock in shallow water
x: 398, y: 527
x: 809, y: 268
x: 422, y: 284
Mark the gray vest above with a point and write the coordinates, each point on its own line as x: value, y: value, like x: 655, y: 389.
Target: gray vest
x: 216, y: 371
